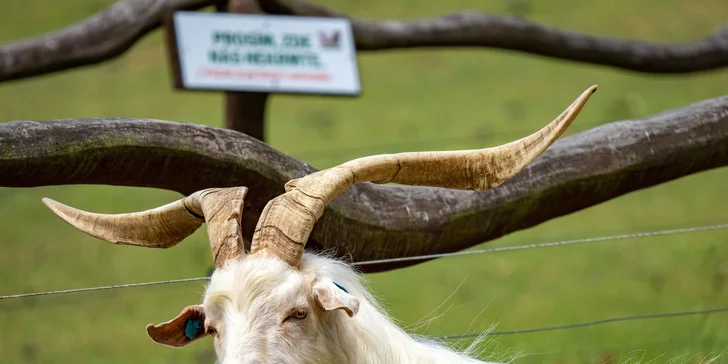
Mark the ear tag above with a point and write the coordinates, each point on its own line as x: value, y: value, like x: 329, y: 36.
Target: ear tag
x: 340, y: 286
x: 192, y: 328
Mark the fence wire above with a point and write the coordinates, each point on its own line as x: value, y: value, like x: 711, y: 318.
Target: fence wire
x: 102, y: 288
x: 585, y: 324
x: 393, y: 260
x: 549, y: 245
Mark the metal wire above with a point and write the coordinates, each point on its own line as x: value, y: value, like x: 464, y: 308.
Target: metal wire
x: 585, y: 324
x: 404, y: 259
x: 547, y: 245
x: 88, y: 289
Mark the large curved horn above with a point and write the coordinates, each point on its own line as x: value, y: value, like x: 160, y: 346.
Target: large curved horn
x: 287, y: 220
x: 166, y: 226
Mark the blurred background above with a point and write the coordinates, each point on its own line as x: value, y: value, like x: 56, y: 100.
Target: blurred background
x: 425, y: 99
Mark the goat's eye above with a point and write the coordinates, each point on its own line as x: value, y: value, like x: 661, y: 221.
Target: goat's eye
x: 211, y: 330
x: 299, y: 315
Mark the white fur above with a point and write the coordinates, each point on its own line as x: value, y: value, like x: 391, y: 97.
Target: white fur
x: 248, y: 299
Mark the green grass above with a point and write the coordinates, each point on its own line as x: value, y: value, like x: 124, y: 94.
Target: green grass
x: 413, y: 96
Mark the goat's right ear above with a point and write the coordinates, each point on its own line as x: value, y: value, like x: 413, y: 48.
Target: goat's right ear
x: 187, y: 327
x: 333, y: 296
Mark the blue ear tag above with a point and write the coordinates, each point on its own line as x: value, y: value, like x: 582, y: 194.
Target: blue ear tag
x: 340, y: 286
x: 192, y: 328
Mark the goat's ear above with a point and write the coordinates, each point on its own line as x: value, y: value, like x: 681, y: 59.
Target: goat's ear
x: 187, y: 327
x: 332, y: 296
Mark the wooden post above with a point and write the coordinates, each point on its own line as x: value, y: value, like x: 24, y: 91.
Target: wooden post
x: 245, y: 111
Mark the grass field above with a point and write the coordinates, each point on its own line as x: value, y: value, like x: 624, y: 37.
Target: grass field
x: 415, y: 98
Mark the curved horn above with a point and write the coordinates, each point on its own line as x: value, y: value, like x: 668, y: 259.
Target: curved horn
x: 287, y: 220
x: 166, y: 226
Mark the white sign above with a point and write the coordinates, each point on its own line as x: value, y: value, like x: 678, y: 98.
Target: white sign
x: 266, y: 53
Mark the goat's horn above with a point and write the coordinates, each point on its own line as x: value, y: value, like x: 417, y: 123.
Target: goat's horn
x: 166, y: 226
x: 287, y: 220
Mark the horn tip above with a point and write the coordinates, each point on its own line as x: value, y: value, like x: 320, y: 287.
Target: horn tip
x: 52, y: 204
x: 64, y: 212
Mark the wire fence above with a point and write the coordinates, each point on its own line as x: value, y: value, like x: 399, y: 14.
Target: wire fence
x: 549, y: 245
x: 404, y: 259
x: 586, y: 324
x: 103, y: 288
x: 470, y: 252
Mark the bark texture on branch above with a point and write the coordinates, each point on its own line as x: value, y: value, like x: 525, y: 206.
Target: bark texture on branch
x: 371, y: 221
x: 474, y: 29
x: 98, y: 38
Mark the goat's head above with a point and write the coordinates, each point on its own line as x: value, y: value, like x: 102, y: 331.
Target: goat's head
x: 270, y: 305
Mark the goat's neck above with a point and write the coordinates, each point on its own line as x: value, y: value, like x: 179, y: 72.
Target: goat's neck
x: 371, y: 337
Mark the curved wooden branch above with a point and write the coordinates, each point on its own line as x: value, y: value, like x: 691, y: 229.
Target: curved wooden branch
x: 473, y: 29
x: 371, y: 221
x: 101, y: 37
x: 111, y: 32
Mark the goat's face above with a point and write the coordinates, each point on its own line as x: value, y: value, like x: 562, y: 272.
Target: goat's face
x: 260, y: 310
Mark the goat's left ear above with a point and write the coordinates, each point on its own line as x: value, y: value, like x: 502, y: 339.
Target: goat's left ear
x: 333, y: 296
x: 188, y: 326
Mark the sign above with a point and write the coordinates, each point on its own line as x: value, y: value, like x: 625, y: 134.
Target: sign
x: 263, y: 53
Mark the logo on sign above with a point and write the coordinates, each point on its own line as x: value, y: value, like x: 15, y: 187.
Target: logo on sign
x: 330, y: 41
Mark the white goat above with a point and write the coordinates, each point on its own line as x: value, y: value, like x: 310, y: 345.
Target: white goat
x: 264, y: 311
x: 279, y: 305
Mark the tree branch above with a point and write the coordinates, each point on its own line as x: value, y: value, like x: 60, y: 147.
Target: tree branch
x: 473, y: 29
x: 111, y: 32
x: 371, y: 221
x: 101, y: 37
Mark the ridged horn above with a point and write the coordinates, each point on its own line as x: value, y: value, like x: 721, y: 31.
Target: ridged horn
x: 166, y: 226
x: 287, y: 220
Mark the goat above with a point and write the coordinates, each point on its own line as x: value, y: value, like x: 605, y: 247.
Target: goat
x: 277, y: 304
